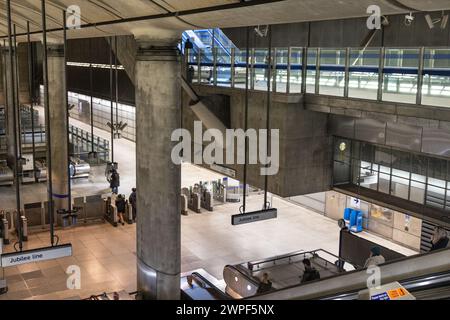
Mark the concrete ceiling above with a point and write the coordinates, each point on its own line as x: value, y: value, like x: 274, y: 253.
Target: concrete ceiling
x: 163, y: 18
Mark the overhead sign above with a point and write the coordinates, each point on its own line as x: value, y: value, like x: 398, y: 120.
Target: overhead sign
x: 36, y: 255
x: 255, y: 216
x: 356, y: 203
x: 226, y: 171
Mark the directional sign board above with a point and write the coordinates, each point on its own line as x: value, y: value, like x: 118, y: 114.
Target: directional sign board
x: 254, y: 216
x: 36, y: 255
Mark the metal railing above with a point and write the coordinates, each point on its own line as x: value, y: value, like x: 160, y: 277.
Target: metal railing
x: 416, y: 76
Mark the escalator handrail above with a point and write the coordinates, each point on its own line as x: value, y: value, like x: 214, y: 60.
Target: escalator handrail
x: 247, y: 277
x: 298, y: 253
x: 403, y: 259
x: 434, y: 280
x: 223, y: 295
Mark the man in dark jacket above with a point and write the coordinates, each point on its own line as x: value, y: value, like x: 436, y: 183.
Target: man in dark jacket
x: 132, y: 199
x: 310, y: 273
x: 115, y: 182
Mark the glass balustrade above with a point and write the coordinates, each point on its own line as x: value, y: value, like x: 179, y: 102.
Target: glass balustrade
x: 381, y: 74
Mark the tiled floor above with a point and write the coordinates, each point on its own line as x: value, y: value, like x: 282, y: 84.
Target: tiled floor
x: 106, y: 255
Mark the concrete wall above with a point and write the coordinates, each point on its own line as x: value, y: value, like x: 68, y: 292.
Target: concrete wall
x: 348, y: 33
x: 305, y: 160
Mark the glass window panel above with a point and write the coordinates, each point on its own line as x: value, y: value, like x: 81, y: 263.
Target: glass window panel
x: 311, y: 70
x: 401, y: 160
x: 417, y: 192
x: 384, y: 183
x: 383, y: 156
x: 436, y: 80
x: 280, y: 69
x: 367, y: 152
x: 296, y: 70
x: 261, y: 69
x: 332, y: 72
x: 400, y: 75
x: 400, y: 187
x: 363, y: 73
x: 437, y: 168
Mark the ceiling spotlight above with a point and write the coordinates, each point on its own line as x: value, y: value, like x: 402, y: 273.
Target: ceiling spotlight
x: 262, y: 32
x: 429, y: 21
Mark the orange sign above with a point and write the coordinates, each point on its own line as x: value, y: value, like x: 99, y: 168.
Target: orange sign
x: 397, y: 293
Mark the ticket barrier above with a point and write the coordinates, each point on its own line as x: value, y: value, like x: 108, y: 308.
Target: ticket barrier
x: 4, y: 230
x: 219, y: 191
x: 8, y: 225
x: 184, y: 204
x: 111, y: 214
x: 206, y: 199
x: 194, y: 199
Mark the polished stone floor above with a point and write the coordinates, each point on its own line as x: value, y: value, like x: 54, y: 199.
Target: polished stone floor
x: 107, y: 258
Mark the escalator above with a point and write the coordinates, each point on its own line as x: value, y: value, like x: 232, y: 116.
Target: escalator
x: 197, y: 287
x: 425, y: 276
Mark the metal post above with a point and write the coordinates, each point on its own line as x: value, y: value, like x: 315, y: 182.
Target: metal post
x: 252, y: 68
x: 304, y: 68
x: 16, y: 138
x: 381, y: 74
x: 347, y: 72
x: 269, y: 102
x: 244, y: 198
x: 420, y: 76
x: 199, y: 66
x: 91, y: 93
x: 214, y: 52
x: 317, y: 84
x: 233, y: 67
x: 47, y: 124
x: 116, y: 62
x: 111, y: 89
x: 69, y: 180
x: 273, y: 67
x: 288, y: 71
x: 18, y: 106
x: 30, y: 92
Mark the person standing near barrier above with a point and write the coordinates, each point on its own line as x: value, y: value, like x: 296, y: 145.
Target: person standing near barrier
x: 115, y: 181
x: 132, y: 199
x: 120, y: 205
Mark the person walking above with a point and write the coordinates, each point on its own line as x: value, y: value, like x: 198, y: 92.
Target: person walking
x: 115, y: 181
x: 133, y: 201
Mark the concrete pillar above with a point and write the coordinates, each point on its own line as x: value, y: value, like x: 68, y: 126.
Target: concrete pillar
x: 158, y: 180
x: 9, y: 112
x: 58, y: 124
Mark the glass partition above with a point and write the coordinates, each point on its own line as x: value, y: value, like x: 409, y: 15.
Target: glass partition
x: 206, y: 68
x: 436, y: 78
x: 400, y: 75
x: 311, y: 61
x: 223, y: 67
x: 261, y: 69
x: 240, y: 68
x: 295, y: 79
x: 363, y: 73
x: 332, y: 72
x: 400, y: 173
x: 280, y: 70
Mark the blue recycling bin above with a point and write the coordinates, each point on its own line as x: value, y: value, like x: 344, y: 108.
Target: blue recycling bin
x: 347, y: 214
x: 356, y: 221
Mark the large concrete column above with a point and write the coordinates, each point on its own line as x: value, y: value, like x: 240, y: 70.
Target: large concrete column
x: 158, y: 180
x: 9, y: 112
x: 58, y: 124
